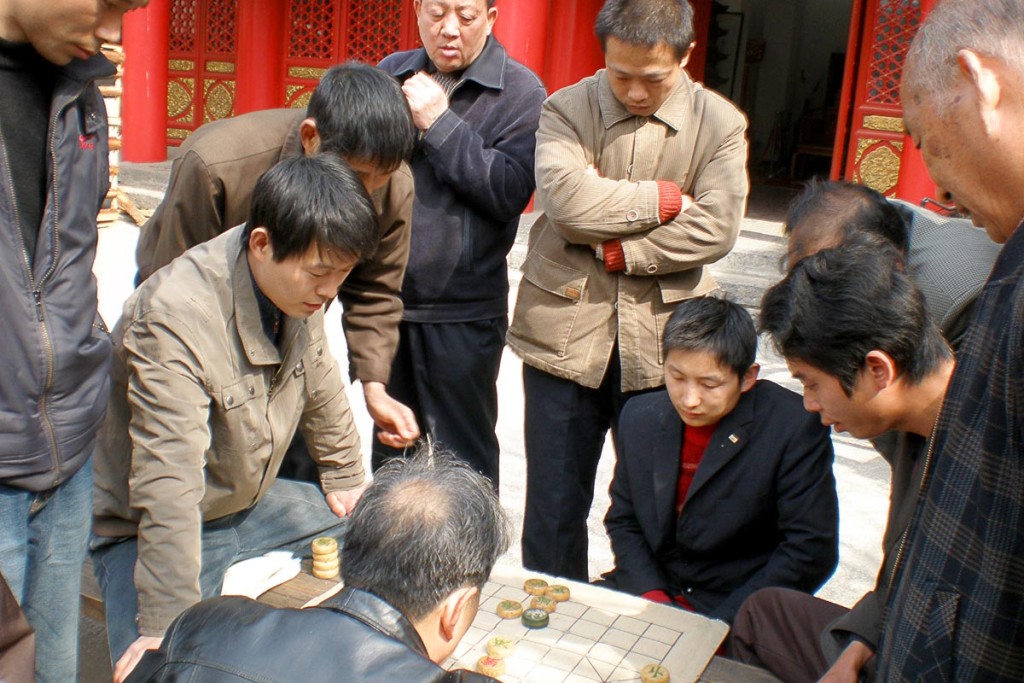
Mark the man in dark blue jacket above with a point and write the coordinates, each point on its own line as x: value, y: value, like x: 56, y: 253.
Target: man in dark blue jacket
x: 54, y: 174
x: 477, y: 111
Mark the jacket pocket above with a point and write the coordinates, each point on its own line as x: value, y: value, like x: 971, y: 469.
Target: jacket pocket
x: 244, y: 417
x: 549, y: 312
x: 939, y: 635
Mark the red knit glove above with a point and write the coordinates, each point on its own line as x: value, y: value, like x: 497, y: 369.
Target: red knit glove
x: 614, y: 257
x: 670, y: 201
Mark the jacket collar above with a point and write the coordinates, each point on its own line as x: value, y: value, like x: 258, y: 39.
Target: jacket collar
x: 292, y: 146
x: 1011, y: 257
x: 378, y: 615
x: 488, y: 69
x: 259, y: 349
x: 728, y: 440
x: 673, y: 112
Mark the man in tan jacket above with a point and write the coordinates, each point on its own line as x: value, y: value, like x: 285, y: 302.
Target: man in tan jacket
x: 359, y: 112
x: 641, y: 175
x: 218, y: 359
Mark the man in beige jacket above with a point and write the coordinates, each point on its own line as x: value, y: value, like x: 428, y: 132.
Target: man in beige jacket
x: 218, y: 359
x: 641, y: 175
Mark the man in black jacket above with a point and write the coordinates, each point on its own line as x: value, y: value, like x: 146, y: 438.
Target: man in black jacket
x: 54, y: 175
x: 476, y: 110
x: 419, y: 547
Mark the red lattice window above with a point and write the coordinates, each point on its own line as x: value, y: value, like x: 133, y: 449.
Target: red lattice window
x: 183, y: 26
x: 312, y: 29
x: 220, y: 27
x: 373, y: 30
x: 895, y: 26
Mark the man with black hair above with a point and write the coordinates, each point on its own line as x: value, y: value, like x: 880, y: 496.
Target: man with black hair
x: 642, y: 178
x: 723, y: 483
x: 947, y: 258
x: 219, y: 358
x: 356, y: 111
x: 855, y: 332
x: 419, y: 547
x: 56, y: 351
x: 475, y: 109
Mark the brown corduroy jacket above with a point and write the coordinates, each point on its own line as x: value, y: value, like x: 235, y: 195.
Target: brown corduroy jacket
x: 596, y: 170
x: 210, y: 191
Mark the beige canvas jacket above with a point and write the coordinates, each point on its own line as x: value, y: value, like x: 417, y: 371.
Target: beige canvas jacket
x: 202, y: 409
x: 596, y: 170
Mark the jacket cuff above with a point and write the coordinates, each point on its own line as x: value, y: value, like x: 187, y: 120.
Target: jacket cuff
x: 614, y: 257
x: 341, y: 478
x: 670, y: 201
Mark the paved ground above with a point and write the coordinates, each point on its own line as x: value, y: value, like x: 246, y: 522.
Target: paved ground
x: 754, y: 264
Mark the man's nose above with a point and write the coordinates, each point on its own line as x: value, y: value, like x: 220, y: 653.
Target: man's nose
x: 108, y: 30
x: 450, y: 26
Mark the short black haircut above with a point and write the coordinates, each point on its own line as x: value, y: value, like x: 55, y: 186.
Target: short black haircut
x: 714, y: 325
x: 305, y: 201
x: 361, y: 113
x: 427, y: 526
x: 838, y: 304
x: 647, y: 23
x: 833, y: 212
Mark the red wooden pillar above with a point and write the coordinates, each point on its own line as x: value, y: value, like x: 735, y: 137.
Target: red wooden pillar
x: 915, y: 183
x: 573, y: 51
x: 144, y: 102
x: 522, y: 27
x: 259, y: 81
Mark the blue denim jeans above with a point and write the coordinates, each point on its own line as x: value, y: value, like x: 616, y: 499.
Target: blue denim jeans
x: 43, y: 539
x: 288, y: 517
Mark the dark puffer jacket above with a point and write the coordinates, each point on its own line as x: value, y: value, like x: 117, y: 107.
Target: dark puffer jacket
x: 55, y: 350
x: 354, y: 637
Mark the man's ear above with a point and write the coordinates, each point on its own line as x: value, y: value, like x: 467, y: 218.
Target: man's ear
x: 492, y: 16
x: 749, y: 378
x: 686, y: 58
x: 453, y: 611
x: 986, y: 83
x: 310, y: 136
x: 259, y: 245
x: 881, y: 368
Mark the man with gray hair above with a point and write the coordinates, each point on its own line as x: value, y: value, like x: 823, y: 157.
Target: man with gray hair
x: 955, y: 610
x: 419, y: 547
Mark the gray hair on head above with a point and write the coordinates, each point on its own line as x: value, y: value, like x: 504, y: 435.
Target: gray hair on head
x: 993, y: 28
x: 427, y: 526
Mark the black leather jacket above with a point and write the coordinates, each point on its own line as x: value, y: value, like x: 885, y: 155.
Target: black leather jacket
x: 354, y: 636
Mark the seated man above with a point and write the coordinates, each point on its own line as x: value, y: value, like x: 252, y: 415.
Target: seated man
x: 218, y: 359
x: 947, y: 258
x: 723, y: 483
x: 419, y: 547
x: 360, y: 113
x: 854, y: 331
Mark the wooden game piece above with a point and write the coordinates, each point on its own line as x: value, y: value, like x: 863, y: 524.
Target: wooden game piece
x: 500, y: 647
x: 509, y: 609
x: 543, y: 602
x: 557, y: 593
x: 535, y: 618
x: 489, y: 666
x: 535, y: 586
x: 654, y: 673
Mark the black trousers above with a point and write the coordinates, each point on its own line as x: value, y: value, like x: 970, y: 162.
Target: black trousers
x: 781, y: 630
x: 447, y: 374
x: 565, y: 428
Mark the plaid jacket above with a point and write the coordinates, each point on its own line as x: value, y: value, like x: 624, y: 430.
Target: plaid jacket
x: 958, y: 609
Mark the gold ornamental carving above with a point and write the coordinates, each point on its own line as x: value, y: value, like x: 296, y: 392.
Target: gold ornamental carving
x: 892, y: 124
x: 220, y: 67
x: 181, y: 65
x: 306, y: 72
x: 880, y: 169
x: 218, y: 99
x: 295, y: 97
x: 179, y: 97
x: 177, y: 133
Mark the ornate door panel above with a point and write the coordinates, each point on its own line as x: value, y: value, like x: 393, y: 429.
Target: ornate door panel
x: 201, y: 65
x: 322, y: 33
x: 876, y: 125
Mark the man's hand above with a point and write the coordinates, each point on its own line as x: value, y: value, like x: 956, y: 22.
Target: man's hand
x: 426, y: 98
x: 132, y: 655
x: 847, y: 668
x: 687, y: 201
x: 344, y: 502
x: 395, y: 420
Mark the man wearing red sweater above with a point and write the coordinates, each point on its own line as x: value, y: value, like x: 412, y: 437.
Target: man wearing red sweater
x: 723, y: 483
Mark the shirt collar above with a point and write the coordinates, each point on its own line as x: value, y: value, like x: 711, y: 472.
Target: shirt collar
x: 488, y: 69
x: 672, y: 112
x: 1011, y: 256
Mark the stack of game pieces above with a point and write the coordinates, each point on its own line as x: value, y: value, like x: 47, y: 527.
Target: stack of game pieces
x: 326, y: 563
x: 493, y: 664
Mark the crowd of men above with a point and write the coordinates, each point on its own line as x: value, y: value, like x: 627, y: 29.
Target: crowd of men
x: 211, y: 425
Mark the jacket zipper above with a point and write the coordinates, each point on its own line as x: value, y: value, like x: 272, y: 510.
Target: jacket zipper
x: 924, y: 480
x: 37, y: 293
